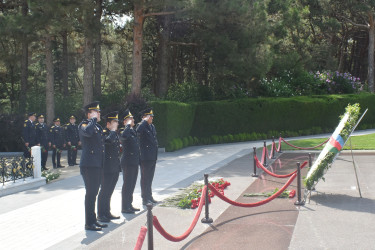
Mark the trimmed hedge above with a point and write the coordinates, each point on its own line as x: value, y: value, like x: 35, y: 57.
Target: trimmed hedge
x: 266, y: 114
x: 225, y: 121
x: 172, y: 120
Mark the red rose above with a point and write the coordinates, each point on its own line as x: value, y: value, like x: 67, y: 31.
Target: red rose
x: 292, y: 193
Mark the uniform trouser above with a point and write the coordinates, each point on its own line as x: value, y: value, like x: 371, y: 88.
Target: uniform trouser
x: 129, y: 175
x: 44, y: 154
x: 92, y: 178
x: 108, y: 184
x: 72, y: 154
x: 147, y: 175
x: 27, y: 151
x: 56, y: 153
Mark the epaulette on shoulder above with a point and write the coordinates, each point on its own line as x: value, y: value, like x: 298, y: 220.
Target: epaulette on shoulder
x: 26, y: 120
x: 84, y: 123
x: 53, y: 126
x: 36, y: 124
x: 104, y: 130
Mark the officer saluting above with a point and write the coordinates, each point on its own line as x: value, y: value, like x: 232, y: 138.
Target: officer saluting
x: 29, y: 134
x: 42, y: 139
x: 149, y: 154
x: 72, y: 140
x: 129, y: 162
x: 92, y: 161
x: 111, y: 169
x: 57, y: 141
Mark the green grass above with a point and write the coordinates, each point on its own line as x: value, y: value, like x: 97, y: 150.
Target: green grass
x: 362, y: 142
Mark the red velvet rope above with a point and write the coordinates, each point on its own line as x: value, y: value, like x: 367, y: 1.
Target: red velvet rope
x: 190, y: 229
x: 293, y: 146
x: 259, y: 203
x: 141, y: 238
x: 260, y: 165
x: 269, y: 155
x: 279, y: 147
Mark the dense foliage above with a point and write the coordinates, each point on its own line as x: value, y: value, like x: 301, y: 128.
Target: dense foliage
x: 190, y: 50
x: 58, y: 55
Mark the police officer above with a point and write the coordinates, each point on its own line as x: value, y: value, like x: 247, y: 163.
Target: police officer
x: 129, y: 162
x: 111, y: 168
x: 42, y: 139
x: 57, y: 141
x: 29, y: 134
x: 149, y: 153
x: 92, y: 161
x: 72, y: 140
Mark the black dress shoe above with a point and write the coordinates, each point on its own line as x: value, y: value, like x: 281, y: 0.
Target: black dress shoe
x: 112, y: 217
x: 145, y: 202
x: 103, y: 219
x: 44, y: 168
x: 127, y: 210
x: 135, y: 209
x: 153, y: 200
x: 101, y: 225
x: 93, y: 227
x: 60, y: 166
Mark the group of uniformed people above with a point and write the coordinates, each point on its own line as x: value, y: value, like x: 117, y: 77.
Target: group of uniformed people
x: 55, y: 137
x: 101, y: 161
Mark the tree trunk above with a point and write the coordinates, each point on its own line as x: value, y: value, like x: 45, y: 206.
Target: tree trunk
x: 342, y: 57
x: 98, y: 50
x: 50, y: 100
x: 137, y: 48
x: 163, y: 70
x: 173, y: 65
x: 88, y: 72
x: 64, y: 65
x: 24, y: 62
x: 370, y: 77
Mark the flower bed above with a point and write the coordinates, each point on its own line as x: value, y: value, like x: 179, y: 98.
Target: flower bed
x: 191, y: 196
x: 285, y: 194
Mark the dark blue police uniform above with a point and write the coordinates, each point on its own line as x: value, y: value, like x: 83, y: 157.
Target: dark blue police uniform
x: 129, y: 164
x: 29, y: 135
x: 91, y: 164
x: 111, y: 171
x: 58, y: 142
x: 71, y: 134
x: 149, y: 153
x: 43, y: 140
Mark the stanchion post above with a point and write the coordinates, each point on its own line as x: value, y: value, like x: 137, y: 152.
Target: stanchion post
x: 150, y: 225
x: 255, y: 163
x: 206, y: 218
x: 299, y: 202
x: 265, y: 154
x: 310, y: 160
x: 280, y: 144
x: 273, y: 147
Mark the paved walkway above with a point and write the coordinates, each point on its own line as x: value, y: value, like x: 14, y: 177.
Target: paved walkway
x: 52, y: 216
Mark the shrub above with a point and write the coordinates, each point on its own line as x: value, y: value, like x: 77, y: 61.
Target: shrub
x: 188, y: 92
x: 339, y: 83
x: 185, y: 142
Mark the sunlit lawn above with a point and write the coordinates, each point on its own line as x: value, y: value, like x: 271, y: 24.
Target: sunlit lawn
x: 362, y: 142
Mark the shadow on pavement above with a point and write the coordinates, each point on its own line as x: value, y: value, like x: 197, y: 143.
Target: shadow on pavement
x: 344, y: 202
